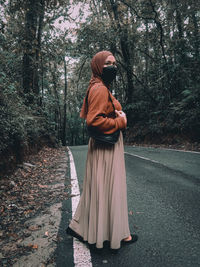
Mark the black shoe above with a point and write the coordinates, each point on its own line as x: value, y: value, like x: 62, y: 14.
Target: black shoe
x: 94, y: 249
x: 69, y: 231
x: 133, y: 239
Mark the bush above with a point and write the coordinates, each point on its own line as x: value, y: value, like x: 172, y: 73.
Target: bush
x: 21, y: 132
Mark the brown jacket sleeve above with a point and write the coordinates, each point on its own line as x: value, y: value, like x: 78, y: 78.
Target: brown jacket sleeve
x: 99, y: 107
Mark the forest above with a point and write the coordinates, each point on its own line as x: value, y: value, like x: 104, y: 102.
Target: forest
x: 46, y: 47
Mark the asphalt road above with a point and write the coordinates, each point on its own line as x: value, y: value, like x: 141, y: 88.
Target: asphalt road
x: 164, y: 209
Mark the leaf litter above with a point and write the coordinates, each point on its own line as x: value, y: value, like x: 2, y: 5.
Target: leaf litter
x: 28, y: 192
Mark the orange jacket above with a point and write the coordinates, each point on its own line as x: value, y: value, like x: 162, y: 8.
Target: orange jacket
x: 100, y: 110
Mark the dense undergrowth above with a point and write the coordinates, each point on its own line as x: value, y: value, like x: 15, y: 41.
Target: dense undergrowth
x: 23, y: 130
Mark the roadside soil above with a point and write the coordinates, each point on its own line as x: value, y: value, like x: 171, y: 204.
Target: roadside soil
x: 30, y: 208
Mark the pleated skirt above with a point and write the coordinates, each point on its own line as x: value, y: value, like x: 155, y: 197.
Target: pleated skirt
x: 102, y: 213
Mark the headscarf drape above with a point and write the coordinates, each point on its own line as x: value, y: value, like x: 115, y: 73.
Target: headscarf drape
x: 97, y: 64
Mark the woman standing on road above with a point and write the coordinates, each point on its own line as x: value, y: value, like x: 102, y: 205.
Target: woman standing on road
x: 102, y: 212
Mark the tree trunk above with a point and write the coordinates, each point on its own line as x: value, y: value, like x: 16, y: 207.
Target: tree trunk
x: 41, y: 10
x: 57, y: 107
x: 30, y: 65
x: 42, y: 81
x: 65, y: 106
x: 181, y: 42
x: 146, y: 53
x: 196, y: 35
x: 125, y: 47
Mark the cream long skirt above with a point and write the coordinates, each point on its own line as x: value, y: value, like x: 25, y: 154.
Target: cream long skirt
x: 102, y: 212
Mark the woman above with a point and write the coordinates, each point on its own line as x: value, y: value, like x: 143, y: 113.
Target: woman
x: 102, y: 211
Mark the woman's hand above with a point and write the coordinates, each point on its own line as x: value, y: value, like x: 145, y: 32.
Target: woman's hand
x: 121, y: 114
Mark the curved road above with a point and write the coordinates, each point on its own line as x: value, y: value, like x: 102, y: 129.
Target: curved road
x: 164, y: 209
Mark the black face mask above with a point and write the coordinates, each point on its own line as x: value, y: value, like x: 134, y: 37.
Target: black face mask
x: 109, y: 74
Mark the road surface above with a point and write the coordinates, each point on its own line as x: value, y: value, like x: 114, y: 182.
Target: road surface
x: 163, y: 188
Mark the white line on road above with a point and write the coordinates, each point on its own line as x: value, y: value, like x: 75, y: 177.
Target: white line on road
x: 82, y: 257
x: 171, y: 149
x: 178, y: 150
x: 154, y: 161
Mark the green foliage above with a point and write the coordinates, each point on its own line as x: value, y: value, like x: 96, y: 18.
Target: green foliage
x: 157, y: 49
x: 75, y: 129
x: 19, y: 126
x: 11, y: 128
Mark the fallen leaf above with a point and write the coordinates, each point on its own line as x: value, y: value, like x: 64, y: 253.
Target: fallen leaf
x: 34, y: 246
x: 34, y: 228
x: 46, y: 233
x: 14, y: 235
x: 27, y: 211
x: 2, y: 208
x: 43, y: 186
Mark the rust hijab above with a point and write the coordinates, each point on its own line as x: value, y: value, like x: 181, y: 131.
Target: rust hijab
x: 97, y: 64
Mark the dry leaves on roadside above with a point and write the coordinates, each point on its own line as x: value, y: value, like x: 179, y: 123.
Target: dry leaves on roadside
x: 29, y: 191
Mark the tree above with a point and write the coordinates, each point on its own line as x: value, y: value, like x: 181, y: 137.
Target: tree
x: 157, y: 46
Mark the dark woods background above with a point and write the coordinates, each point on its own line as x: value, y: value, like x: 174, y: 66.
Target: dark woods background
x: 44, y: 70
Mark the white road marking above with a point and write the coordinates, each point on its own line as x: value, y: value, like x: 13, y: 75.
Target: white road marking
x: 171, y: 149
x: 154, y: 161
x: 178, y: 150
x: 82, y: 257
